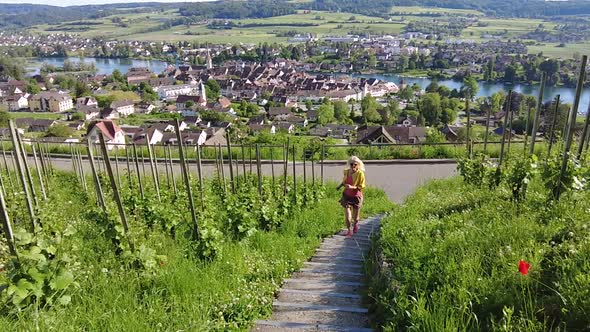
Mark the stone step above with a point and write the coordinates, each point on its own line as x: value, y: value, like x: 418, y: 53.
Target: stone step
x: 339, y: 259
x: 274, y: 326
x: 341, y: 250
x: 353, y: 267
x: 328, y: 275
x: 363, y: 229
x: 325, y: 295
x: 350, y: 316
x: 324, y: 285
x: 333, y: 270
x: 352, y: 246
x: 346, y: 240
x: 319, y: 297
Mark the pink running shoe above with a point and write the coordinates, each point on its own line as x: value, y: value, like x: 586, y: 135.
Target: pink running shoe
x: 349, y: 233
x: 356, y: 228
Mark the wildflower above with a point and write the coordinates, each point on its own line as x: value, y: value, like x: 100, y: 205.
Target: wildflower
x: 523, y: 267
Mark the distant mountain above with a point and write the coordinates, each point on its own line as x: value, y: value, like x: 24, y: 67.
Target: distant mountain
x: 24, y: 15
x: 509, y: 8
x: 503, y: 8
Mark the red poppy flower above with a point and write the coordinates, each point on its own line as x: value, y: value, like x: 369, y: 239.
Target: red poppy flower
x: 523, y: 267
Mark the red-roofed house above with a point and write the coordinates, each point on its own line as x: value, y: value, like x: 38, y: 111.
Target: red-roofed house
x: 113, y: 134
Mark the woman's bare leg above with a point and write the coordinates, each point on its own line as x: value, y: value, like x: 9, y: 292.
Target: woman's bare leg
x: 356, y: 214
x: 347, y: 218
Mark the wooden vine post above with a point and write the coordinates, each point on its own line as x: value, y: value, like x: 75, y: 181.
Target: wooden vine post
x: 196, y: 234
x: 116, y: 195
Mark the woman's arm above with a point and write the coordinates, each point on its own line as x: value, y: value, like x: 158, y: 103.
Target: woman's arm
x: 360, y: 183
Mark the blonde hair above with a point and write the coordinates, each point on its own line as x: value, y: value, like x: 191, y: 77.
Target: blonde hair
x: 356, y: 160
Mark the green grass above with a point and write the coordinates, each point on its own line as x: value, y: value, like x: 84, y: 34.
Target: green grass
x: 419, y: 10
x: 509, y: 28
x: 328, y: 23
x: 567, y: 52
x: 180, y: 291
x: 36, y: 115
x: 453, y: 252
x: 136, y: 23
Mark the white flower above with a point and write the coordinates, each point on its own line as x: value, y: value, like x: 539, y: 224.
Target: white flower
x: 578, y: 184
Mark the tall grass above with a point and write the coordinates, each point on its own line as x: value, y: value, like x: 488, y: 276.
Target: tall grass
x: 183, y: 293
x: 452, y: 253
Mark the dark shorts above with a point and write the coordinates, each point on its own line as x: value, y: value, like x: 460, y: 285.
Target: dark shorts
x: 354, y: 202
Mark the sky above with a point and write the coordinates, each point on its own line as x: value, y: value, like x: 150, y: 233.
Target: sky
x: 86, y: 2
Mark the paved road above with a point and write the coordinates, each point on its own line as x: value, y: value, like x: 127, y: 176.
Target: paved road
x: 398, y: 179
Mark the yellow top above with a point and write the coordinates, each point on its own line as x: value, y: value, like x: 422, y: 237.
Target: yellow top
x: 358, y: 179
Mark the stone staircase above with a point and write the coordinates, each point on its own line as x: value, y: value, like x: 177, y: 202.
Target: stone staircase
x: 326, y: 294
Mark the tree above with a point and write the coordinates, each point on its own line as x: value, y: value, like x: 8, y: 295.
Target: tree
x: 340, y: 110
x: 81, y: 89
x: 489, y: 72
x: 470, y: 87
x: 448, y: 116
x: 213, y: 89
x: 435, y: 136
x: 550, y: 66
x: 9, y: 67
x: 403, y: 63
x: 372, y: 61
x: 369, y: 109
x: 147, y: 92
x: 325, y: 113
x: 497, y: 100
x: 406, y: 93
x: 444, y: 91
x: 295, y: 53
x: 308, y: 104
x: 372, y: 115
x: 510, y: 73
x: 430, y: 108
x: 394, y: 110
x: 4, y: 117
x: 78, y: 116
x: 118, y: 77
x: 33, y: 87
x: 432, y: 87
x: 59, y: 130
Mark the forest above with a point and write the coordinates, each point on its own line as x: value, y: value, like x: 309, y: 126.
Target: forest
x: 24, y: 15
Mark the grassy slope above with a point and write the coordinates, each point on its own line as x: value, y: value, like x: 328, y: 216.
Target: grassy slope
x: 453, y: 253
x: 329, y: 24
x: 184, y: 293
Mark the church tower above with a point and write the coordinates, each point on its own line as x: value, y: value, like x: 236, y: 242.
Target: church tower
x: 209, y: 59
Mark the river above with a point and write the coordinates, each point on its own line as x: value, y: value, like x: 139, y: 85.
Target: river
x: 107, y: 66
x: 103, y: 65
x: 487, y: 89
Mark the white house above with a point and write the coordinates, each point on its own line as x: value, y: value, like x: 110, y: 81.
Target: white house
x: 16, y: 102
x: 123, y: 107
x: 171, y: 91
x: 86, y: 101
x: 113, y: 134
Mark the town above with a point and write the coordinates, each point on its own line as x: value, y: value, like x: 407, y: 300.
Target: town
x: 295, y: 165
x: 265, y: 88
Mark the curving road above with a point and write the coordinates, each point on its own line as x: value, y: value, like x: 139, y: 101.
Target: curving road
x: 398, y: 178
